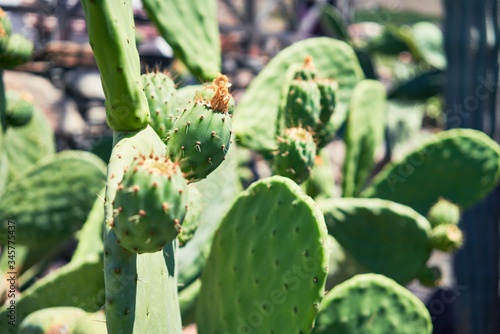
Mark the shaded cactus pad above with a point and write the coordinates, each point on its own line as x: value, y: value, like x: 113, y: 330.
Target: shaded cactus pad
x: 385, y: 237
x: 372, y: 303
x: 438, y: 169
x: 273, y: 227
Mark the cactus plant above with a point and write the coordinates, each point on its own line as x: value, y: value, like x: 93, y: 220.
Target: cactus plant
x: 372, y: 303
x: 19, y: 108
x: 468, y: 151
x: 198, y: 46
x: 367, y: 107
x: 50, y: 320
x: 260, y: 103
x: 52, y: 198
x: 160, y: 94
x: 443, y: 212
x: 385, y: 237
x: 278, y: 216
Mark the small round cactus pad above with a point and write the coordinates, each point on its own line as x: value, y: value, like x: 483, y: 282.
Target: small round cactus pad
x: 267, y: 268
x: 371, y: 303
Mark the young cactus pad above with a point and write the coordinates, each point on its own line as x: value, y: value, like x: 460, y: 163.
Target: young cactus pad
x: 385, y: 237
x: 303, y: 105
x: 150, y: 204
x: 19, y: 108
x: 202, y: 134
x: 444, y: 212
x: 160, y: 93
x: 288, y: 236
x: 371, y: 303
x: 438, y: 167
x: 295, y: 155
x: 365, y: 132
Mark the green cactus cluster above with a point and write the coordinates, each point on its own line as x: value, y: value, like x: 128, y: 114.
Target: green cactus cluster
x: 172, y: 239
x: 15, y: 49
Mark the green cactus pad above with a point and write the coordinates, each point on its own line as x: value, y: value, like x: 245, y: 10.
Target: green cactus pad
x: 93, y: 323
x: 365, y: 132
x: 27, y: 144
x: 160, y: 93
x: 321, y: 183
x: 288, y: 238
x: 444, y: 212
x: 141, y: 289
x: 385, y: 237
x: 111, y: 31
x: 218, y: 192
x: 370, y: 303
x: 328, y: 89
x: 16, y: 51
x: 256, y: 115
x: 51, y: 200
x: 295, y: 155
x: 437, y: 167
x: 51, y: 320
x: 150, y: 204
x: 19, y: 108
x: 447, y: 238
x: 202, y: 133
x: 191, y: 28
x: 303, y: 105
x: 196, y: 204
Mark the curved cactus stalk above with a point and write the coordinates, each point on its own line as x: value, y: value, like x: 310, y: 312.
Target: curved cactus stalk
x: 198, y: 46
x: 372, y: 303
x: 111, y: 32
x: 278, y: 216
x: 256, y: 121
x: 434, y: 167
x: 365, y: 132
x: 385, y: 237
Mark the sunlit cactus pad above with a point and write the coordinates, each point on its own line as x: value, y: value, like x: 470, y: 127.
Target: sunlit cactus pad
x: 273, y: 227
x: 461, y: 165
x: 371, y: 303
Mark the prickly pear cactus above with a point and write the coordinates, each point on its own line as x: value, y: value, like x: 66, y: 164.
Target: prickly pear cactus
x: 160, y: 93
x: 444, y: 212
x: 191, y: 28
x: 295, y: 155
x: 19, y: 108
x: 447, y: 238
x: 260, y: 104
x: 150, y: 204
x: 364, y: 133
x: 385, y: 237
x: 113, y: 44
x: 202, y: 134
x: 195, y: 206
x: 51, y: 320
x: 81, y: 278
x: 28, y: 144
x: 52, y: 198
x: 321, y: 183
x: 303, y: 105
x: 16, y: 51
x: 237, y: 292
x: 371, y: 303
x: 434, y: 167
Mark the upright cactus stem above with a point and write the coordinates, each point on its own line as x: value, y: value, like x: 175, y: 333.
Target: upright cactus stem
x: 111, y: 30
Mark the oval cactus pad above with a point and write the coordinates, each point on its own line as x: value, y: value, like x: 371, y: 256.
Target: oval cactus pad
x: 372, y: 303
x: 268, y: 264
x: 461, y: 165
x: 385, y: 237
